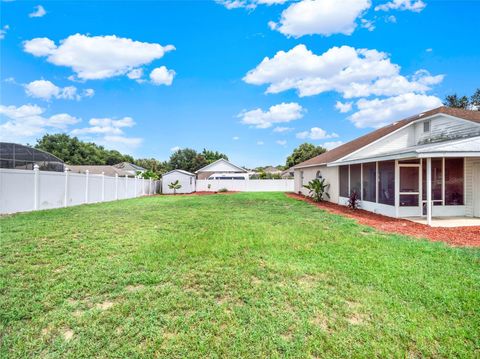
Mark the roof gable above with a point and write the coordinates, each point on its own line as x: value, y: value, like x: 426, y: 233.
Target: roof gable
x: 179, y: 171
x: 363, y: 141
x: 221, y: 165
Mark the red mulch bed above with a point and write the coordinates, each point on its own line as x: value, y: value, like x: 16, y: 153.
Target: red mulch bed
x: 456, y: 236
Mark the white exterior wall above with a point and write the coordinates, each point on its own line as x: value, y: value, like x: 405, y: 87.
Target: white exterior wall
x: 186, y: 181
x: 441, y: 126
x: 273, y: 185
x: 471, y: 186
x: 309, y: 173
x: 24, y: 190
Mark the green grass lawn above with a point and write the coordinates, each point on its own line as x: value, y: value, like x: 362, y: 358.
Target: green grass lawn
x: 243, y: 275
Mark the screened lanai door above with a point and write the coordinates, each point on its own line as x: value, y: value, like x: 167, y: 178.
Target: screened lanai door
x: 410, y: 189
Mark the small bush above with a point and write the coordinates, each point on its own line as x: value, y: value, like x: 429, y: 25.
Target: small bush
x: 354, y: 201
x: 223, y: 190
x: 317, y: 188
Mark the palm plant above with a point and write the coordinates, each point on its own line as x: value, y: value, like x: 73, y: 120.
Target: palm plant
x: 175, y: 185
x: 317, y: 189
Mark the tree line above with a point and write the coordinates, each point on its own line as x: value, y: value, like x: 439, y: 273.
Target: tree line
x: 73, y: 151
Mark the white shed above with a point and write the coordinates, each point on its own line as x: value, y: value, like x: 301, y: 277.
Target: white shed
x: 185, y: 179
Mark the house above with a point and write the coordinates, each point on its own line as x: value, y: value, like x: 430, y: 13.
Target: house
x: 186, y: 180
x: 422, y: 166
x: 130, y: 168
x: 222, y: 169
x: 99, y: 169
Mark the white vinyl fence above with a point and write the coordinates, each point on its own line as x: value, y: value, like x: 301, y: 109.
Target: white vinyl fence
x: 25, y: 190
x: 270, y: 185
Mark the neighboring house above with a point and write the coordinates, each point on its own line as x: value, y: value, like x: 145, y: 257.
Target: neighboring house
x: 288, y: 174
x: 272, y: 170
x: 221, y: 168
x: 20, y: 157
x: 97, y: 170
x: 422, y: 166
x: 130, y: 168
x: 186, y: 180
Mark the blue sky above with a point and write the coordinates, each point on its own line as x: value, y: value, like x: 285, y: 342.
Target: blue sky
x: 251, y: 78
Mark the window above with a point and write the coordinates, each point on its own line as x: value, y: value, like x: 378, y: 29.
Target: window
x: 355, y: 178
x: 454, y: 181
x: 426, y: 126
x: 343, y: 174
x: 301, y: 178
x: 386, y: 182
x: 369, y: 178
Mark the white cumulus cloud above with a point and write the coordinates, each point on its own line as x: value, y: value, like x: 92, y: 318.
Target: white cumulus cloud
x: 402, y: 5
x: 97, y: 57
x: 105, y: 126
x: 38, y: 11
x: 26, y: 122
x: 281, y: 113
x: 346, y: 70
x: 343, y: 107
x: 316, y: 133
x: 380, y: 112
x: 175, y: 149
x: 282, y: 129
x: 323, y: 17
x: 109, y: 132
x: 46, y: 90
x: 247, y: 4
x: 332, y: 144
x: 281, y: 142
x: 162, y: 76
x: 3, y: 31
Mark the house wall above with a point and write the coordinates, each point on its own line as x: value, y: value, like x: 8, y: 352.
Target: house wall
x: 187, y: 182
x: 309, y: 173
x: 470, y: 186
x: 442, y: 128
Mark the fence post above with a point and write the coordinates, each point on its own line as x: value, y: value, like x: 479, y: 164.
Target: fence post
x: 143, y: 186
x: 35, y: 186
x: 87, y: 172
x: 126, y: 186
x: 103, y: 186
x: 116, y: 186
x: 150, y: 186
x: 135, y: 186
x: 65, y: 198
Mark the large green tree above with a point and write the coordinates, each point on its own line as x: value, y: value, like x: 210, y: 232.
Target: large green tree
x: 153, y: 165
x: 190, y: 160
x: 75, y: 152
x: 472, y: 103
x: 304, y: 152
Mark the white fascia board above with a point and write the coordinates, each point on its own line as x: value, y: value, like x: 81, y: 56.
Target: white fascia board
x: 308, y: 166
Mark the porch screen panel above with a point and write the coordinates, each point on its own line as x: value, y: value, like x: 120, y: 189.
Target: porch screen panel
x: 343, y: 173
x: 369, y: 177
x: 454, y: 186
x: 386, y: 182
x: 355, y: 178
x: 437, y: 177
